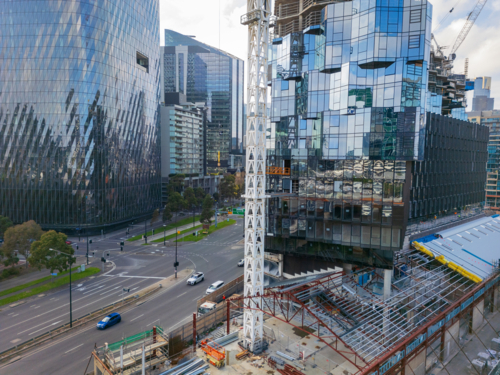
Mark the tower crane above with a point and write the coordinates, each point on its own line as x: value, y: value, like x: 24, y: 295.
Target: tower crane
x: 257, y: 19
x: 471, y: 19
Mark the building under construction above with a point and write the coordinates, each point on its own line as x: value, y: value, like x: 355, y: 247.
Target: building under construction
x: 444, y: 288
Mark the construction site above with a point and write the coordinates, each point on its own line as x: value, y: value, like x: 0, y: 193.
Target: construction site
x: 438, y: 315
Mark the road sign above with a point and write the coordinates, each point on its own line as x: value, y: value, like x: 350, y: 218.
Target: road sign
x: 53, y: 274
x: 82, y: 267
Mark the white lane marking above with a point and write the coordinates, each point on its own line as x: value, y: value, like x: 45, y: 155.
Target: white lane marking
x: 93, y: 290
x: 41, y: 329
x: 36, y: 307
x: 15, y: 315
x: 109, y: 291
x: 32, y: 306
x: 76, y: 347
x: 180, y: 295
x: 10, y: 314
x: 136, y: 317
x: 137, y: 277
x: 52, y: 298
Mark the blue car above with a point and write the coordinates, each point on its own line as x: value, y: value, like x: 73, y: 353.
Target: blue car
x: 109, y: 321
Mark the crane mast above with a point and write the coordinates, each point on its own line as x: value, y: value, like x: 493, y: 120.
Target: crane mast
x: 257, y: 20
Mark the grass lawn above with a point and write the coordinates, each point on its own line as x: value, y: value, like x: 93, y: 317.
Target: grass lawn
x: 180, y: 223
x: 44, y: 288
x: 31, y: 283
x: 210, y: 231
x: 170, y: 236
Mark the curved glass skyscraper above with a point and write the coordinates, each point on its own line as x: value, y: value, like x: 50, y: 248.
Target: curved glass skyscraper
x: 79, y: 94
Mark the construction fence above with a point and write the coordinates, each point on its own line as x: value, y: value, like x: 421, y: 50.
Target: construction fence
x: 235, y: 286
x: 182, y: 337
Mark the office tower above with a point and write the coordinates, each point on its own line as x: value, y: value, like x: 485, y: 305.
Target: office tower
x: 354, y: 156
x: 491, y: 119
x: 481, y: 100
x: 213, y: 77
x: 79, y: 127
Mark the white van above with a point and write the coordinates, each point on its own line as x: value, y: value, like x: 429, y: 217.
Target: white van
x: 217, y: 285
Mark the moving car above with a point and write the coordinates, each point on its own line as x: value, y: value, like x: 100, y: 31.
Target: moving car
x: 241, y: 263
x: 68, y: 242
x: 217, y: 285
x: 109, y: 321
x: 197, y: 277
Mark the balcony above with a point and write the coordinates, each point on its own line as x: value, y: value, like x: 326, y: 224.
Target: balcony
x: 278, y: 171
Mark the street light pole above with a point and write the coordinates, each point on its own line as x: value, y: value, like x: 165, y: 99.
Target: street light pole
x: 164, y: 229
x: 87, y: 247
x: 145, y: 232
x: 175, y: 264
x: 70, y: 297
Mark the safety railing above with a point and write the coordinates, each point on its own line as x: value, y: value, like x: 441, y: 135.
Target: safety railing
x: 278, y: 171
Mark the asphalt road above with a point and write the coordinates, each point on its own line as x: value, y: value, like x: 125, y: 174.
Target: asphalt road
x: 136, y: 267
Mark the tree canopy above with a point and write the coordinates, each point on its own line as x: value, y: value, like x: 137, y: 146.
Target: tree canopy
x: 42, y: 257
x: 156, y: 215
x: 5, y: 223
x: 190, y: 198
x: 20, y: 238
x: 207, y: 212
x: 167, y: 213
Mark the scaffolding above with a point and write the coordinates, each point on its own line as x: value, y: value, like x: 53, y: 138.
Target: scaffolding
x: 348, y: 314
x: 145, y: 350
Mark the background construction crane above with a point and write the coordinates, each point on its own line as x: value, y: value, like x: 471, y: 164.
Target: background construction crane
x: 257, y: 20
x: 471, y: 19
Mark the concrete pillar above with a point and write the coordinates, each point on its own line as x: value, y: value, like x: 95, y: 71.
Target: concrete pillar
x: 347, y: 268
x: 477, y: 315
x: 280, y: 265
x: 387, y: 283
x: 451, y: 336
x: 416, y: 365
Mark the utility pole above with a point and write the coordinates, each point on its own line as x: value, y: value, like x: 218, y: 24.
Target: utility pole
x: 257, y: 20
x: 176, y: 263
x: 145, y: 232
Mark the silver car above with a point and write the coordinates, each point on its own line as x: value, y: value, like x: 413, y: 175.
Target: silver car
x: 197, y: 277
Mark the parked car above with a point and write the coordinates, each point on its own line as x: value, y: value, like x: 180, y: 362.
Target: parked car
x: 198, y: 277
x: 241, y: 263
x: 109, y: 321
x: 217, y: 285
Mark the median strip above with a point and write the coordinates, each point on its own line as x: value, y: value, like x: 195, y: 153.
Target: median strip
x: 212, y: 229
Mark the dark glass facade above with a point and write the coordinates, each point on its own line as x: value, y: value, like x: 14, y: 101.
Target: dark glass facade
x: 215, y: 78
x: 347, y: 128
x: 79, y: 126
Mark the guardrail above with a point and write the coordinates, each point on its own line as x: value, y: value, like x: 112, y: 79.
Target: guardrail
x: 81, y: 321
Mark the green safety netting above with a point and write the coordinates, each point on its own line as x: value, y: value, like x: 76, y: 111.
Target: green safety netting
x: 131, y: 339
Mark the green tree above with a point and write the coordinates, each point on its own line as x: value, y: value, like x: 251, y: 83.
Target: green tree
x: 20, y: 237
x: 5, y: 223
x: 42, y: 257
x: 190, y: 198
x: 176, y: 202
x: 176, y: 183
x: 216, y: 196
x: 156, y: 215
x: 200, y: 194
x: 227, y: 187
x: 207, y: 212
x: 167, y: 213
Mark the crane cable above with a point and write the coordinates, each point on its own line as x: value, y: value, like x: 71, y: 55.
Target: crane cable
x: 447, y: 15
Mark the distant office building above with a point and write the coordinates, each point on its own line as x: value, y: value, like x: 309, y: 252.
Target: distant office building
x: 182, y: 144
x: 491, y: 119
x: 354, y: 154
x: 481, y: 100
x: 215, y: 78
x: 79, y: 124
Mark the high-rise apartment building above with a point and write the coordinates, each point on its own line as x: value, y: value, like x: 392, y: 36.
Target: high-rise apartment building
x: 213, y: 77
x: 79, y: 126
x: 481, y: 100
x: 354, y: 154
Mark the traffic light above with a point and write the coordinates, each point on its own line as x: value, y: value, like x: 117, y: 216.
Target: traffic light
x: 121, y: 248
x: 122, y: 243
x: 77, y: 247
x: 176, y: 264
x: 103, y: 259
x: 90, y: 241
x: 107, y: 254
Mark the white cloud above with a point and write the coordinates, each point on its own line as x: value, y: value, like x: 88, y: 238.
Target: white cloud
x: 482, y: 46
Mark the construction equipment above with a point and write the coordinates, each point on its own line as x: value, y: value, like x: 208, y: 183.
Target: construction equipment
x: 242, y: 354
x: 216, y: 354
x: 257, y: 20
x: 471, y: 19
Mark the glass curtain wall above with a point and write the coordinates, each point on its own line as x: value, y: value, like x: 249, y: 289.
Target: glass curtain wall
x: 79, y: 129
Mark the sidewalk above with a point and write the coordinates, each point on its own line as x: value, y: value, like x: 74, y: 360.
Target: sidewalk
x: 35, y: 275
x: 159, y: 232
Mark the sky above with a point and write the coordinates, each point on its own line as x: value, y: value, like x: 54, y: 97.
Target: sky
x: 217, y: 23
